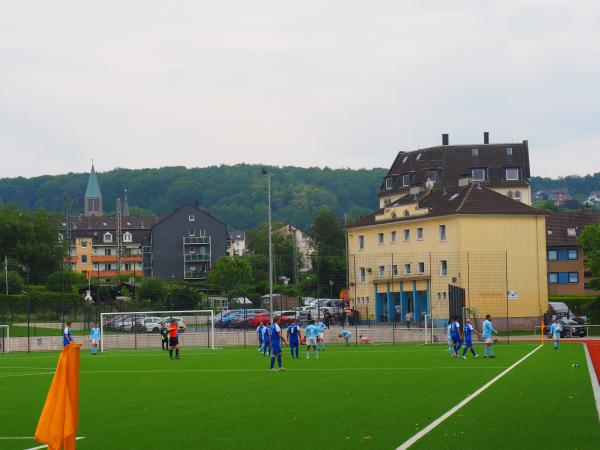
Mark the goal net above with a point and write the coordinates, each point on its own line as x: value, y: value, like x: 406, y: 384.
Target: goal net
x: 138, y: 330
x: 4, y: 339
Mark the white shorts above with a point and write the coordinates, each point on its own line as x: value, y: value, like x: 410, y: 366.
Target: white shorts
x: 556, y: 337
x: 311, y: 340
x: 94, y: 341
x: 489, y: 340
x: 320, y: 335
x: 450, y: 343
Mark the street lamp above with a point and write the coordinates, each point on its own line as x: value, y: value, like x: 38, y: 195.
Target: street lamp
x: 268, y: 174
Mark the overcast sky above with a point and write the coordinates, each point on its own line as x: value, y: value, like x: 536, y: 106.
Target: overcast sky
x: 308, y: 83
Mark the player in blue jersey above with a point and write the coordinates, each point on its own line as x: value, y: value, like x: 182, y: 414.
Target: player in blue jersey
x: 95, y: 338
x: 67, y: 337
x: 267, y: 341
x: 486, y: 334
x: 276, y: 340
x: 321, y: 326
x: 260, y: 331
x: 468, y: 331
x: 555, y: 329
x: 456, y: 334
x: 312, y: 334
x: 293, y: 335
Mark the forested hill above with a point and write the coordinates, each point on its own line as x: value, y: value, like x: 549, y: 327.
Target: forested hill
x: 235, y: 194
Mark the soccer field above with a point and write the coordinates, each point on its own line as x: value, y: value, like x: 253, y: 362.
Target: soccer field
x: 373, y: 397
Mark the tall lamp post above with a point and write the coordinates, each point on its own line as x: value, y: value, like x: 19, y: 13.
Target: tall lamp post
x: 268, y: 174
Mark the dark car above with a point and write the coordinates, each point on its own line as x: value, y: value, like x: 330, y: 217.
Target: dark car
x: 570, y: 328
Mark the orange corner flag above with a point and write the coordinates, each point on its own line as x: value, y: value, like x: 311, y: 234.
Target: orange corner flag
x: 543, y: 327
x: 60, y: 416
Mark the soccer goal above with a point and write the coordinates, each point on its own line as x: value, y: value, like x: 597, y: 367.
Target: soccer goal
x: 474, y: 316
x: 4, y: 339
x: 142, y: 329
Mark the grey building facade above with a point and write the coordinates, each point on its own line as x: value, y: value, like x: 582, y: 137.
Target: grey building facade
x: 184, y: 245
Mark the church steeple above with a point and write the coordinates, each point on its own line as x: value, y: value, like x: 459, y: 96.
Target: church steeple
x: 93, y: 196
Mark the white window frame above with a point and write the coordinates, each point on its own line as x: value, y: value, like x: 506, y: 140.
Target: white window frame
x: 127, y: 237
x: 191, y: 218
x: 474, y: 152
x: 506, y: 174
x: 361, y: 242
x: 406, y: 234
x: 518, y: 196
x: 509, y: 151
x: 393, y: 236
x: 476, y: 178
x: 420, y: 267
x: 443, y: 233
x: 381, y: 271
x: 443, y: 268
x: 109, y: 236
x: 394, y: 270
x: 407, y: 269
x: 405, y: 179
x: 388, y: 183
x: 362, y: 274
x: 380, y: 238
x: 420, y: 234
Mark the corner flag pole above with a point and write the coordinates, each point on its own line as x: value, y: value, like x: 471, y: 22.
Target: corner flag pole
x: 542, y: 327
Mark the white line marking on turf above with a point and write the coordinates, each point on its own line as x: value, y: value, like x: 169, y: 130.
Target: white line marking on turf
x: 593, y: 378
x: 14, y: 438
x: 451, y: 411
x: 45, y: 446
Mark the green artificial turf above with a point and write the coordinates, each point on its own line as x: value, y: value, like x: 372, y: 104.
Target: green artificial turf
x: 372, y: 397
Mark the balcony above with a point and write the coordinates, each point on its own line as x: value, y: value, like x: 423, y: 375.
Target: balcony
x: 191, y: 257
x: 194, y: 240
x: 196, y: 275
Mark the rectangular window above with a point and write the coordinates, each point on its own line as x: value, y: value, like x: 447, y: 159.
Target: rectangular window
x: 362, y: 274
x: 380, y: 238
x: 84, y: 259
x: 573, y: 277
x: 419, y: 234
x: 563, y: 255
x: 406, y: 179
x: 478, y: 174
x: 107, y: 266
x: 443, y: 268
x: 191, y: 218
x: 388, y: 183
x: 382, y: 271
x: 192, y: 232
x: 406, y: 269
x: 508, y: 151
x: 553, y: 278
x: 475, y: 152
x: 83, y: 244
x: 127, y: 266
x: 108, y: 251
x: 146, y: 249
x: 361, y: 242
x: 572, y: 253
x: 407, y: 235
x: 563, y: 277
x: 552, y: 255
x: 511, y: 174
x: 421, y: 267
x: 393, y: 236
x: 442, y: 232
x: 394, y: 270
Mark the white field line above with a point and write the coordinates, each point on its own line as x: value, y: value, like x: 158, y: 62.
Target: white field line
x: 593, y: 379
x: 45, y: 446
x: 451, y: 411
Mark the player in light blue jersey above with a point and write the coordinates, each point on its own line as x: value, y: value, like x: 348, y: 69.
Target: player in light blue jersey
x: 486, y: 333
x: 555, y: 329
x: 293, y: 335
x: 345, y: 334
x: 260, y: 332
x: 320, y: 338
x: 312, y: 333
x: 468, y: 331
x: 267, y: 341
x: 95, y: 338
x: 276, y: 340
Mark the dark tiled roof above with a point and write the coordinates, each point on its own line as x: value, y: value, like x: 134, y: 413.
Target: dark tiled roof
x: 97, y: 236
x: 558, y: 224
x: 110, y: 223
x: 452, y: 162
x: 472, y: 199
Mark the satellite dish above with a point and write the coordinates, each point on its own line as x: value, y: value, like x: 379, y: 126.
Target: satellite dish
x: 429, y: 184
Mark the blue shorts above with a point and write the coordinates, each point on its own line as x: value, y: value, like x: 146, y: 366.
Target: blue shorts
x: 260, y: 341
x: 295, y: 343
x: 468, y: 343
x: 276, y: 349
x: 456, y: 340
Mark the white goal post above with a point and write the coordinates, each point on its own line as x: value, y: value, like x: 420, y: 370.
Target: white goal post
x: 135, y: 329
x: 4, y: 339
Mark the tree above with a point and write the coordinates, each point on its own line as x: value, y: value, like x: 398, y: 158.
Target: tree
x: 15, y: 283
x: 152, y: 289
x: 547, y: 205
x: 589, y: 239
x: 231, y: 277
x: 73, y: 281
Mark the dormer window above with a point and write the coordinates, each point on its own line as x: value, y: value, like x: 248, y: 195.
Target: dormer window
x: 406, y: 179
x: 511, y: 174
x: 406, y: 213
x: 191, y: 218
x: 509, y: 194
x: 478, y: 174
x: 475, y: 152
x: 127, y: 237
x: 509, y: 151
x: 518, y: 196
x: 108, y: 237
x: 388, y: 183
x: 571, y: 232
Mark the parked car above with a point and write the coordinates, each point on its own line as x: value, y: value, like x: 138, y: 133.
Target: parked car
x: 257, y: 319
x: 581, y: 320
x: 570, y: 328
x: 180, y: 323
x: 147, y: 325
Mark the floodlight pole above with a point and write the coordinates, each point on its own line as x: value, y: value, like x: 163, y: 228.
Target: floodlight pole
x: 268, y: 174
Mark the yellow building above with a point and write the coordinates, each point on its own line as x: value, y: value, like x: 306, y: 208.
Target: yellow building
x: 436, y: 251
